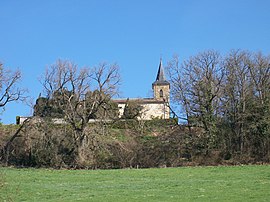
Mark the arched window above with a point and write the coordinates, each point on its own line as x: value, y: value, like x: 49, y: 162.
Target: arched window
x: 161, y: 93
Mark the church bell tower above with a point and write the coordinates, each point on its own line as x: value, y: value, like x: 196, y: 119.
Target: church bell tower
x: 161, y: 86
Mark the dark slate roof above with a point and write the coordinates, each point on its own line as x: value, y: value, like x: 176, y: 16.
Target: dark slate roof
x: 161, y: 80
x: 139, y: 100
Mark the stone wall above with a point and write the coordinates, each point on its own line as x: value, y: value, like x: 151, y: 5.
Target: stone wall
x: 166, y: 92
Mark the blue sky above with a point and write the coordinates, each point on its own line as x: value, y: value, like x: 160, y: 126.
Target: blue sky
x: 134, y: 34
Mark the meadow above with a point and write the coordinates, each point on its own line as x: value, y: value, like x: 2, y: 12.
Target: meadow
x: 223, y: 183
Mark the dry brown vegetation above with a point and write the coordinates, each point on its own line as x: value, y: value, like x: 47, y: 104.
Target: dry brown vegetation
x: 119, y: 145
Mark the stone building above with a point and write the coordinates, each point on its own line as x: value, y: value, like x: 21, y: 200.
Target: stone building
x: 158, y: 105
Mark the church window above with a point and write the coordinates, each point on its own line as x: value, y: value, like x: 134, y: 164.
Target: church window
x: 161, y: 93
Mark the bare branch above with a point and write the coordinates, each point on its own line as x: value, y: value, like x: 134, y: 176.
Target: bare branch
x: 9, y: 90
x: 79, y: 93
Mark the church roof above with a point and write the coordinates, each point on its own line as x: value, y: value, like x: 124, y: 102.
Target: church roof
x: 160, y: 79
x: 139, y: 100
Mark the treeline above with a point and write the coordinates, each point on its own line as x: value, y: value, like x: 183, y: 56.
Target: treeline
x: 228, y: 97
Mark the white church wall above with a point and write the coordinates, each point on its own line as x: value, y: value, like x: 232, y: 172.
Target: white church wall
x: 121, y: 108
x: 155, y: 110
x: 150, y: 111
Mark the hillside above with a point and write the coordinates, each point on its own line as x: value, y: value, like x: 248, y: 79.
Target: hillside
x: 121, y: 144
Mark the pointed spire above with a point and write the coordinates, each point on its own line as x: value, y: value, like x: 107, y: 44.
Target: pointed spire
x: 160, y: 74
x: 160, y: 79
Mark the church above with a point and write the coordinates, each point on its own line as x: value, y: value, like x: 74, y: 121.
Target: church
x: 156, y: 107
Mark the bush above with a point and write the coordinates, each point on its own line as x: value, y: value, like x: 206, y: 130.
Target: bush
x: 132, y: 110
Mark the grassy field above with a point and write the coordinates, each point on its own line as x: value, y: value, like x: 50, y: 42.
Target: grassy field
x: 238, y: 183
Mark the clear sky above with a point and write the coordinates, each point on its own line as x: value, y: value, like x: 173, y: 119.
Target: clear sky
x: 134, y: 34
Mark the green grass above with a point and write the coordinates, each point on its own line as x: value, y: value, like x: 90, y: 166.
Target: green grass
x: 238, y: 183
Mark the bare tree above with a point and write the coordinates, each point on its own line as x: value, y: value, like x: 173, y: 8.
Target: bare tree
x: 236, y: 94
x: 81, y: 92
x: 9, y: 89
x: 179, y: 89
x: 10, y: 92
x: 246, y: 98
x: 259, y: 69
x: 197, y: 84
